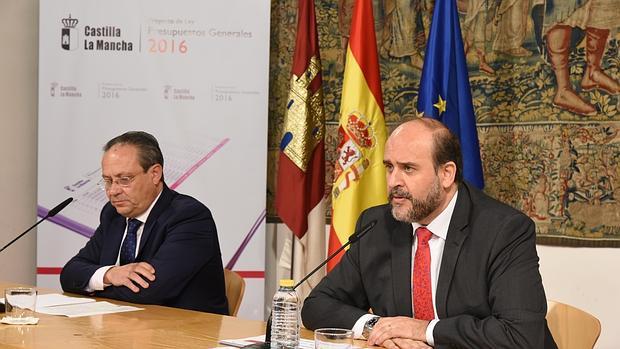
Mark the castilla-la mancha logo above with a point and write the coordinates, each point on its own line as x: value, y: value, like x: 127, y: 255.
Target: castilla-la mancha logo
x: 68, y: 34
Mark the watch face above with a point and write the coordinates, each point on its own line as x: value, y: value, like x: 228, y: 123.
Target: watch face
x: 368, y: 326
x: 365, y: 332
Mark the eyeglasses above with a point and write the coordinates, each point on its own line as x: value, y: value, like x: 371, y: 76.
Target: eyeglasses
x: 124, y: 182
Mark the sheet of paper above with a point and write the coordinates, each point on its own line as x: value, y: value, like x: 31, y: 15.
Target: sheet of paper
x: 55, y: 299
x: 86, y: 309
x: 241, y: 342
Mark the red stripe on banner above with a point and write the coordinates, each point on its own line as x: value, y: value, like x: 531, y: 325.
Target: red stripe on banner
x: 251, y: 274
x: 363, y: 33
x: 48, y: 270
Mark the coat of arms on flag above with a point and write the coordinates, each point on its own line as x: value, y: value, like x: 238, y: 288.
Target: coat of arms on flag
x: 356, y: 138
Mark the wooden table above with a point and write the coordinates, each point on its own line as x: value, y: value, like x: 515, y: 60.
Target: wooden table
x: 153, y: 327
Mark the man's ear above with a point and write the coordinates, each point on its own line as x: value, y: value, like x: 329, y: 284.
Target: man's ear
x: 156, y: 173
x: 447, y: 174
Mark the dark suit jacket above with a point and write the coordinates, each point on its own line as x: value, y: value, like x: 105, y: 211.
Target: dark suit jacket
x: 489, y: 293
x: 179, y: 240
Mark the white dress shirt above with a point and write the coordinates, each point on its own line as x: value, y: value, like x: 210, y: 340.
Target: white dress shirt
x: 439, y: 228
x: 96, y: 281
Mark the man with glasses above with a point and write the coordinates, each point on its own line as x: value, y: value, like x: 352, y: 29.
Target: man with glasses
x: 153, y: 245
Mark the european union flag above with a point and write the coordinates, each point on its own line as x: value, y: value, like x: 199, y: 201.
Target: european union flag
x: 444, y: 87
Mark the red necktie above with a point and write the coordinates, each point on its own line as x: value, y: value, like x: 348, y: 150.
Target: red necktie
x: 422, y: 290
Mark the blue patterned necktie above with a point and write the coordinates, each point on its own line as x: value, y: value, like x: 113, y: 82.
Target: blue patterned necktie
x: 128, y: 248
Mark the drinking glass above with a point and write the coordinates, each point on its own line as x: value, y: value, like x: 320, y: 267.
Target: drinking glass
x: 333, y: 338
x: 19, y: 304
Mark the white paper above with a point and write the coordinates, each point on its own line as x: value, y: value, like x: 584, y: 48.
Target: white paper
x: 86, y: 309
x: 21, y: 301
x: 241, y: 342
x: 55, y: 299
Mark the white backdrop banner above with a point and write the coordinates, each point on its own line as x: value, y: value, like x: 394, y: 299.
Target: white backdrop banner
x: 192, y: 73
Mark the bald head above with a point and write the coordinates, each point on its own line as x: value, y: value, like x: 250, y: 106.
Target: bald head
x: 444, y: 145
x: 423, y: 165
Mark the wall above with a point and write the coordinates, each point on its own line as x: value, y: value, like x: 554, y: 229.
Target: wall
x: 586, y: 278
x: 18, y: 137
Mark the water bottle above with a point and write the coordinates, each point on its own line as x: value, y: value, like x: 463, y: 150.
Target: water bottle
x: 285, y: 317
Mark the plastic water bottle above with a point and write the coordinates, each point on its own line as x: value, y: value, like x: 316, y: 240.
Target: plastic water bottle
x: 285, y: 317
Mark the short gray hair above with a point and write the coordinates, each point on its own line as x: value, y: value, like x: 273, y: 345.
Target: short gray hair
x: 149, y: 152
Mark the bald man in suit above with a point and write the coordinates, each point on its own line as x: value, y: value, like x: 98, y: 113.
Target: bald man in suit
x: 474, y: 284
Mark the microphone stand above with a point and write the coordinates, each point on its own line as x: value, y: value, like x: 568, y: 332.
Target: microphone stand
x: 50, y: 213
x: 353, y: 238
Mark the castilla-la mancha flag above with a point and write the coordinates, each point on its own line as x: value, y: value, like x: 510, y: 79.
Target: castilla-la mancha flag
x: 359, y: 174
x: 301, y: 171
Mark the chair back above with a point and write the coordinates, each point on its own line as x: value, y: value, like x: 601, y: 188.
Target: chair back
x: 235, y: 286
x: 572, y: 328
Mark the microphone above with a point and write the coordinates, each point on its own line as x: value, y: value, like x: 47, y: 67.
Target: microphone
x: 50, y: 213
x: 352, y: 239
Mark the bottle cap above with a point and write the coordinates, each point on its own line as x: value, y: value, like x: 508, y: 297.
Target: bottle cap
x: 287, y: 283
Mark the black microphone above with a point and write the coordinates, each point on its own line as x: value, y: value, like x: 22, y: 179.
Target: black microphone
x: 352, y: 239
x: 50, y: 213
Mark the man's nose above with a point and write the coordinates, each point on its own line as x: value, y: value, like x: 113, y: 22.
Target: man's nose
x: 394, y: 178
x: 114, y: 189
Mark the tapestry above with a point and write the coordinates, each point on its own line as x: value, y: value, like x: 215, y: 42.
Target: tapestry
x: 544, y: 79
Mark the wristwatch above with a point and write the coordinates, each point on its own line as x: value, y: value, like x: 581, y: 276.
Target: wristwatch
x: 368, y: 326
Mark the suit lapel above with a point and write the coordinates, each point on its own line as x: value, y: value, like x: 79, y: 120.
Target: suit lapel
x: 457, y: 233
x: 151, y: 222
x: 401, y: 266
x: 109, y: 254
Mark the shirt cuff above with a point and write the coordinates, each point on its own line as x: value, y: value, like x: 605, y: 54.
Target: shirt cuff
x: 358, y: 328
x: 429, y: 332
x: 96, y: 281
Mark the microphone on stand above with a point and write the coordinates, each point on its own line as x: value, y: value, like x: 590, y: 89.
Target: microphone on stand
x: 352, y: 239
x: 50, y: 213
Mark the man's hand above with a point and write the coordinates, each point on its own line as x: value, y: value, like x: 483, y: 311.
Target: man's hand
x: 403, y: 343
x: 129, y: 275
x: 398, y: 330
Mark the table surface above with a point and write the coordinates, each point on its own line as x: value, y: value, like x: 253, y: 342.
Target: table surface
x: 153, y: 327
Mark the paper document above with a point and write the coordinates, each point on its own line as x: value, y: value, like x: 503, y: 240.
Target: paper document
x: 241, y: 342
x: 54, y: 299
x: 58, y: 304
x: 86, y: 309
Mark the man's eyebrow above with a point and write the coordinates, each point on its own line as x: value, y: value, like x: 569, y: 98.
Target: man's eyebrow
x: 118, y: 175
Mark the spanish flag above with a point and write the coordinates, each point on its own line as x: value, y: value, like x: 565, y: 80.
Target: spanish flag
x: 359, y: 174
x: 301, y: 167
